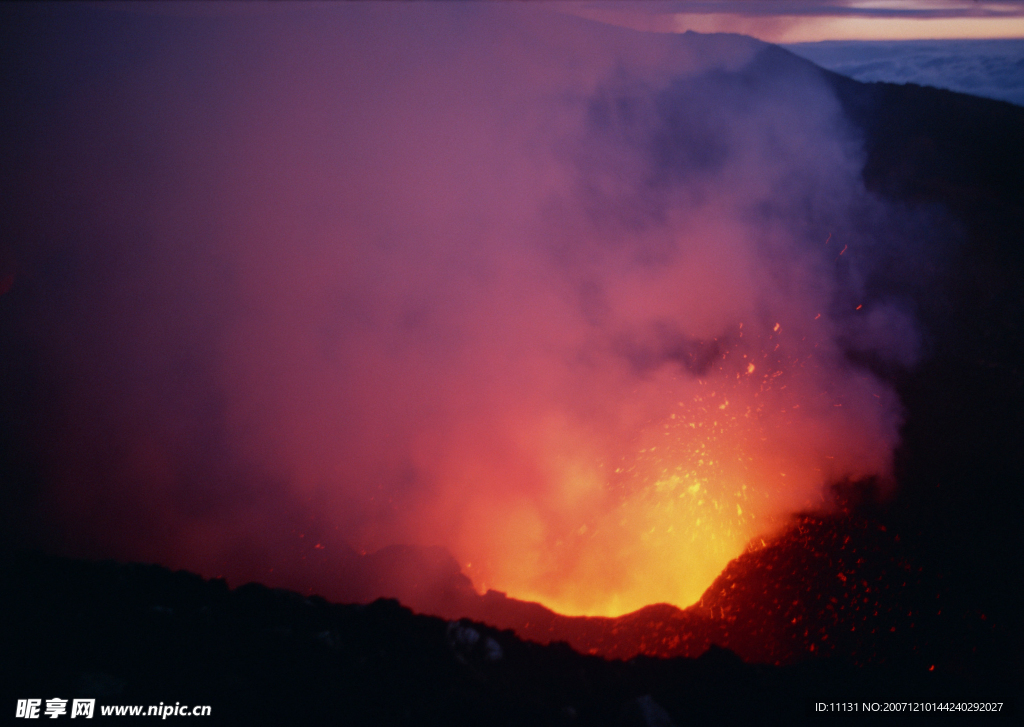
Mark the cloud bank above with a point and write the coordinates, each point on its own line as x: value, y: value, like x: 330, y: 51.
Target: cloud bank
x: 988, y: 68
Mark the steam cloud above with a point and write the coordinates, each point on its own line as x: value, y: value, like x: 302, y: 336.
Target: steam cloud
x: 574, y: 302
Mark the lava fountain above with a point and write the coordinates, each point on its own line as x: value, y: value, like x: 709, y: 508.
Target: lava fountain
x: 717, y: 461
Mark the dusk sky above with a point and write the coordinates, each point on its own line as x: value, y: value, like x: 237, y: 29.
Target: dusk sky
x: 570, y: 300
x: 808, y: 21
x: 774, y: 21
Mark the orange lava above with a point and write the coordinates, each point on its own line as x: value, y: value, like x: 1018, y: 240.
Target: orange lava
x: 729, y: 456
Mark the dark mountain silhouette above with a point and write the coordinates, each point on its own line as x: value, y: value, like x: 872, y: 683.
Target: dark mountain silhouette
x: 143, y: 635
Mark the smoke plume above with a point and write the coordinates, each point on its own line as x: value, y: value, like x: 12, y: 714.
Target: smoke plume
x: 582, y: 305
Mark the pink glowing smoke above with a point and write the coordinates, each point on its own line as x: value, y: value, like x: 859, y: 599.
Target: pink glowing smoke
x: 573, y: 302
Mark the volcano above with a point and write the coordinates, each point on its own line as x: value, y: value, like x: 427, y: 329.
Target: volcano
x: 710, y: 348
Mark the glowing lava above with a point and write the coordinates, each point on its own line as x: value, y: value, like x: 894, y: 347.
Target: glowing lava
x: 738, y: 449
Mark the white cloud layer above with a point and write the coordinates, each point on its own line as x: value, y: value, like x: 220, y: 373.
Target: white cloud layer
x: 989, y: 68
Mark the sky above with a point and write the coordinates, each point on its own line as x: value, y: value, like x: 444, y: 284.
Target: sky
x: 773, y: 21
x: 808, y: 21
x: 578, y: 303
x: 962, y: 45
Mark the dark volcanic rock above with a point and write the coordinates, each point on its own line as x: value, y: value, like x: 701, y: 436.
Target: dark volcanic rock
x: 840, y: 586
x: 142, y: 635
